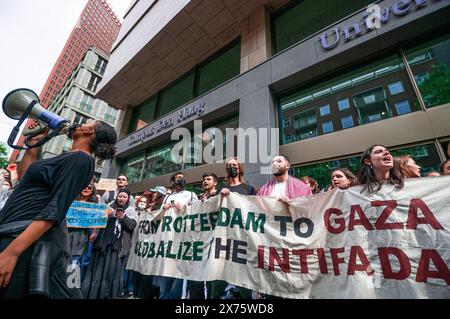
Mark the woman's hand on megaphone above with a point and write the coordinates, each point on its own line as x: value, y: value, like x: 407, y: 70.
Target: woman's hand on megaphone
x: 36, y: 138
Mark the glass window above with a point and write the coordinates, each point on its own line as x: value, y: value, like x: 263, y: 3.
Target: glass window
x: 396, y: 88
x: 430, y: 64
x: 294, y: 23
x: 100, y: 66
x: 446, y: 148
x: 110, y: 114
x: 86, y: 103
x: 176, y: 94
x: 402, y: 107
x: 324, y: 110
x: 347, y: 121
x: 321, y: 172
x: 288, y: 138
x: 159, y: 162
x: 143, y: 114
x: 219, y: 69
x: 371, y: 105
x: 305, y: 125
x: 287, y: 122
x: 133, y: 167
x: 343, y: 104
x: 79, y: 119
x: 327, y: 127
x: 93, y: 82
x: 365, y: 86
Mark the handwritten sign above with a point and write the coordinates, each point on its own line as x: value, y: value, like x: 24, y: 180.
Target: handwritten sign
x: 87, y: 215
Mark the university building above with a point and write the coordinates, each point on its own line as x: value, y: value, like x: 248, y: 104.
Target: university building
x: 329, y: 78
x: 76, y: 102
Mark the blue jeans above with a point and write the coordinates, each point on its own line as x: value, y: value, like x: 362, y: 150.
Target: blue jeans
x: 127, y: 281
x: 85, y: 260
x: 170, y: 288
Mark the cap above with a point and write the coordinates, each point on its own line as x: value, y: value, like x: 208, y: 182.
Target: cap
x: 159, y: 189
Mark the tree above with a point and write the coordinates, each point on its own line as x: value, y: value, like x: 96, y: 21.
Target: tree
x: 3, y: 155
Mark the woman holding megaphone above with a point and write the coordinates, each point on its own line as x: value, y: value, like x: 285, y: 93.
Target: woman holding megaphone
x: 33, y: 237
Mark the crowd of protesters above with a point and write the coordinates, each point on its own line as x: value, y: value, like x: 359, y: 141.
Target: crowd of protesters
x: 377, y: 167
x: 101, y: 255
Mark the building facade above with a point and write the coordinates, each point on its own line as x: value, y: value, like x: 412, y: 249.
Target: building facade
x: 323, y: 80
x: 76, y: 102
x: 97, y: 26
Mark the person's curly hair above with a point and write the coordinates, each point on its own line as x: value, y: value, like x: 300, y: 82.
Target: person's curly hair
x: 104, y: 141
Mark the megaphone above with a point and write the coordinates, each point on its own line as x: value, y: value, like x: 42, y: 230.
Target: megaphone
x: 20, y: 104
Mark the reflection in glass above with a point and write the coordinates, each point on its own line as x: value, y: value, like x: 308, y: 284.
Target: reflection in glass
x: 430, y: 64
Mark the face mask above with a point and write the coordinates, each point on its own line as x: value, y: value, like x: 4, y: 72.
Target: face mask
x: 72, y: 129
x: 180, y: 182
x: 141, y: 206
x: 232, y: 171
x: 5, y: 187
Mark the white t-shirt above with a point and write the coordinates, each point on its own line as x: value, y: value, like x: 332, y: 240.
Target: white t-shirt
x: 183, y: 197
x: 279, y: 189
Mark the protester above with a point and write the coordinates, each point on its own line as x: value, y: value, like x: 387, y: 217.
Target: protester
x: 6, y: 189
x: 283, y: 186
x: 122, y: 183
x: 142, y: 204
x: 32, y: 231
x: 312, y: 183
x: 376, y: 168
x: 407, y: 166
x: 235, y: 179
x: 110, y: 251
x: 79, y: 237
x: 174, y: 288
x: 143, y: 287
x: 343, y: 178
x: 219, y: 289
x: 197, y: 288
x: 445, y: 167
x: 110, y: 196
x: 209, y: 186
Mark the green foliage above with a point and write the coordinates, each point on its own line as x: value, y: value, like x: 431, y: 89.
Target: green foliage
x: 3, y: 155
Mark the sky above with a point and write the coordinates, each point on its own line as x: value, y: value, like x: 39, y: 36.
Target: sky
x: 32, y: 35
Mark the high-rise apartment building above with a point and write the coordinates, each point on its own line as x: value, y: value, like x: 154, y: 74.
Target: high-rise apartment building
x: 76, y: 102
x: 97, y: 26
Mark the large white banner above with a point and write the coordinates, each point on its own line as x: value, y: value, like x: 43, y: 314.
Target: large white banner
x: 338, y: 244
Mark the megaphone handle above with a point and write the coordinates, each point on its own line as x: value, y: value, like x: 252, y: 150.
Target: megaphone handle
x: 16, y: 128
x: 41, y: 142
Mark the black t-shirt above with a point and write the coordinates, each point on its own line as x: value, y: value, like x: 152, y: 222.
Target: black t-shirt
x: 243, y: 189
x: 48, y: 188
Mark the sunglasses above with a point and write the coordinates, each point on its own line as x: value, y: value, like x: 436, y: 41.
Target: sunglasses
x: 121, y: 179
x: 90, y: 187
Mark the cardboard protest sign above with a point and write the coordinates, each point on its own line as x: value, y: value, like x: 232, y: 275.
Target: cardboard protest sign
x: 106, y: 184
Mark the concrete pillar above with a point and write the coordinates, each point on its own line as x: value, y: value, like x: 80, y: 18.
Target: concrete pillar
x: 255, y: 39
